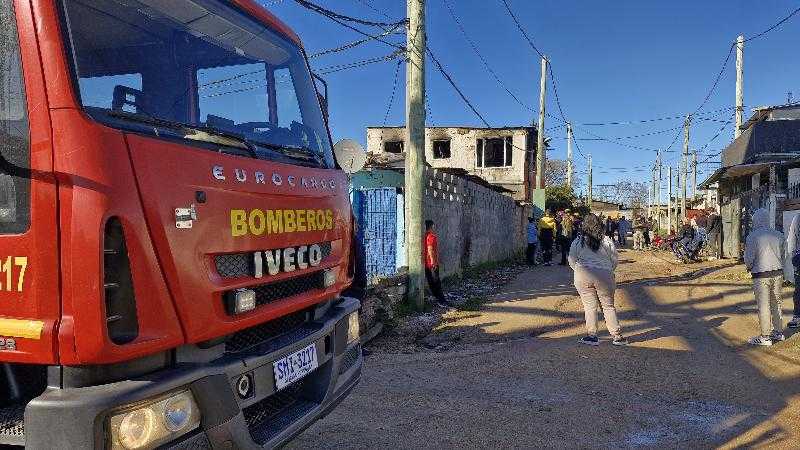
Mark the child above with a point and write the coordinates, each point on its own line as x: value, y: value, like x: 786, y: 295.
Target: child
x: 763, y: 256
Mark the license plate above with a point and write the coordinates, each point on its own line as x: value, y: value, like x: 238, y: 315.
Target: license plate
x: 295, y: 366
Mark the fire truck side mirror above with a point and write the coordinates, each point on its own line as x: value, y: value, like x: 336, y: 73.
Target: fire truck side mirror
x: 350, y: 155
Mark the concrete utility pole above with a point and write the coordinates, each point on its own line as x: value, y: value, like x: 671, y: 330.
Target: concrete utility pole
x: 569, y: 155
x: 685, y: 161
x: 651, y: 192
x: 589, y: 196
x: 694, y: 174
x: 415, y: 150
x: 541, y: 156
x: 677, y: 194
x: 739, y: 86
x: 669, y: 198
x: 658, y: 187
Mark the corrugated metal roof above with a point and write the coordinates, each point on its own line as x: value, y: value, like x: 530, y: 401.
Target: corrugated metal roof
x: 764, y: 140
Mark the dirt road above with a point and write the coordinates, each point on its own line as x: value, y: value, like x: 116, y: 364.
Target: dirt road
x: 512, y: 375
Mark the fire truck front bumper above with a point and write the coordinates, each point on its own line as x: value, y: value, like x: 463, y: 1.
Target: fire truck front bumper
x: 243, y: 402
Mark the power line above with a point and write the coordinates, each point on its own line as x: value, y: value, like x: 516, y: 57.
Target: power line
x: 334, y: 15
x: 357, y: 64
x: 774, y: 26
x: 355, y: 43
x: 481, y: 57
x: 369, y: 5
x: 394, y: 90
x: 521, y: 30
x: 657, y: 119
x: 455, y: 87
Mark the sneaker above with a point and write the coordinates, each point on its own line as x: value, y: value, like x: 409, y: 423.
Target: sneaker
x: 548, y: 263
x: 589, y: 340
x: 619, y: 341
x: 765, y: 341
x: 777, y: 336
x: 795, y: 322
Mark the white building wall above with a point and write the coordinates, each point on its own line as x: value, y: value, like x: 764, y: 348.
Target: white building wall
x: 463, y: 146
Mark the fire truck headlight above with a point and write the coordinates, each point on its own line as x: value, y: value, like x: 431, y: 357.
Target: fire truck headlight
x: 330, y: 276
x: 158, y: 422
x: 352, y: 328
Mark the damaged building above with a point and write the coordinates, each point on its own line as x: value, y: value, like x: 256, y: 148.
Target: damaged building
x: 503, y: 157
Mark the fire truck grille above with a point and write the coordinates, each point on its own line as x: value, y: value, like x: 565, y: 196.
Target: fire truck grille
x: 293, y: 326
x: 268, y: 293
x: 12, y: 430
x: 236, y: 265
x: 350, y: 359
x: 267, y: 418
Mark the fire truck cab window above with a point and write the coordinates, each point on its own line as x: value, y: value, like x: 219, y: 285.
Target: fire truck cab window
x: 14, y: 135
x: 198, y: 64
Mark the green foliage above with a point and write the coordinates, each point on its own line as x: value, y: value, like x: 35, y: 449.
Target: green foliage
x: 559, y: 197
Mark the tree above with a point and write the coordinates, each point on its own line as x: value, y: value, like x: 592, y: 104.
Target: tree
x: 559, y: 197
x: 555, y: 173
x: 631, y: 194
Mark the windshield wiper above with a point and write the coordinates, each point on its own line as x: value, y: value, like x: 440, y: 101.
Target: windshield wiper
x: 199, y: 133
x: 301, y: 153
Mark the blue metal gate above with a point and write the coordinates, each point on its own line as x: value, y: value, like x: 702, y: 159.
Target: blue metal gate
x: 376, y: 212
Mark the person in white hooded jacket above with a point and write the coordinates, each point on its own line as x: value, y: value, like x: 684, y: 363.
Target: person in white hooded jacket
x: 593, y: 259
x: 793, y: 251
x: 763, y: 256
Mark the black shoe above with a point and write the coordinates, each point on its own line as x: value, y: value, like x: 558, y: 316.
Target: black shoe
x: 589, y: 340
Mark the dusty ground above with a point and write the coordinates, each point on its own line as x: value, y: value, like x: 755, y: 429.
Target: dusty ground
x: 511, y: 375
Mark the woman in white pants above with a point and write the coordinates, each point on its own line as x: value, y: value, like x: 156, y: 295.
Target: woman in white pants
x: 593, y: 258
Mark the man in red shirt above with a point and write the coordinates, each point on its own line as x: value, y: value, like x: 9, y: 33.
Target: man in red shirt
x: 431, y: 254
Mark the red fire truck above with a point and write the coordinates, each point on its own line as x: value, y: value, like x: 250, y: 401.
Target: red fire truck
x: 175, y: 233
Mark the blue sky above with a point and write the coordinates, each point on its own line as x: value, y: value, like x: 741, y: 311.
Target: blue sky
x: 621, y: 60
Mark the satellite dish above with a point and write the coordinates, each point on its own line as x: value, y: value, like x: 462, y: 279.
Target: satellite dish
x: 350, y: 155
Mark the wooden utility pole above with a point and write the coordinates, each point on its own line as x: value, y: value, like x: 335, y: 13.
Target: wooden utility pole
x: 677, y: 195
x: 589, y: 196
x: 541, y: 156
x: 669, y: 197
x: 739, y: 86
x: 685, y: 161
x: 415, y: 150
x: 569, y: 156
x: 694, y: 174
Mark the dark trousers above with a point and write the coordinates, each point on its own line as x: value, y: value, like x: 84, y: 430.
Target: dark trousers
x: 564, y: 243
x: 530, y: 254
x: 434, y: 282
x: 547, y: 245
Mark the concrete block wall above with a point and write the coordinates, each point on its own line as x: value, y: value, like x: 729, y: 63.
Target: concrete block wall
x: 475, y: 224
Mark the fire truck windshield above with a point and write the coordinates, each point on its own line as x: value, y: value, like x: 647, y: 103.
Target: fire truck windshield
x: 196, y: 62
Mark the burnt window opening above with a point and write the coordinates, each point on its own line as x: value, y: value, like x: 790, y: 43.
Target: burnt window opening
x: 494, y: 152
x: 393, y: 147
x: 441, y: 149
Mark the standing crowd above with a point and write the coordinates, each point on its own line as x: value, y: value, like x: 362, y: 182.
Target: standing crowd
x: 589, y: 245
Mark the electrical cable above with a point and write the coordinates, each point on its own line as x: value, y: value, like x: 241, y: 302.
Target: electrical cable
x: 521, y: 30
x: 334, y: 15
x: 394, y: 90
x: 455, y: 87
x: 774, y: 26
x: 354, y: 65
x: 355, y: 43
x: 482, y: 58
